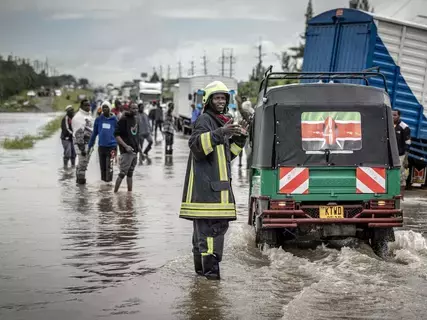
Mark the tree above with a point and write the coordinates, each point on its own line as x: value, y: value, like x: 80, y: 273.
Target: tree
x: 361, y: 4
x: 83, y: 82
x: 154, y: 78
x: 298, y: 51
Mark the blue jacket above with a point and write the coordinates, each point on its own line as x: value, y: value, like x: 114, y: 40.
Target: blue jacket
x: 104, y: 127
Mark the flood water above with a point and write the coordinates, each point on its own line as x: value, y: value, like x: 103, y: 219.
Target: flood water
x: 82, y: 252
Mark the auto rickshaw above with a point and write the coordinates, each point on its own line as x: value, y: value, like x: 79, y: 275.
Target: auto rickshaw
x: 325, y: 162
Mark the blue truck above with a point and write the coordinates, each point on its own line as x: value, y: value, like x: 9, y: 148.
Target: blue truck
x: 348, y: 40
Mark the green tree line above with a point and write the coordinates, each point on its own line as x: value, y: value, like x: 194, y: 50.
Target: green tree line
x: 17, y: 75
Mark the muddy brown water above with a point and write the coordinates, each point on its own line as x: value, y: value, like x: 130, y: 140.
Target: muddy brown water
x: 70, y: 252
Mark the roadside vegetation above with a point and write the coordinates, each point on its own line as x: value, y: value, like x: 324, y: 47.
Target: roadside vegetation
x: 28, y: 141
x: 70, y: 97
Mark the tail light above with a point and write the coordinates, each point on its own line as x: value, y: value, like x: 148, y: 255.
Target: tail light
x: 282, y: 205
x: 382, y: 204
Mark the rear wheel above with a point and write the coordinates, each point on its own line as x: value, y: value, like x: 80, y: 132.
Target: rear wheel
x: 270, y: 237
x: 379, y: 241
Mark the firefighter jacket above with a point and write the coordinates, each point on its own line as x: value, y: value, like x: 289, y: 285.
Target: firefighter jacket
x: 207, y: 188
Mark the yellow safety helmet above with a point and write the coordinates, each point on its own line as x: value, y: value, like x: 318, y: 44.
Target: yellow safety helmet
x: 215, y: 87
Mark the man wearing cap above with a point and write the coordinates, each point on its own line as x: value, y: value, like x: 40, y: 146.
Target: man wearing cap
x: 67, y: 137
x: 104, y: 127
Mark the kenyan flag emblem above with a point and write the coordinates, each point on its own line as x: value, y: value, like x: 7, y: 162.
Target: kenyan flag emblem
x: 331, y: 130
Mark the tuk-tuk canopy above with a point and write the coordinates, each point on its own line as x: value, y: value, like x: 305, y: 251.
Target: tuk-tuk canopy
x: 324, y: 124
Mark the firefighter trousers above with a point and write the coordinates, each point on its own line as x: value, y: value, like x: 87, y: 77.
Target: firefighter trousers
x: 208, y: 246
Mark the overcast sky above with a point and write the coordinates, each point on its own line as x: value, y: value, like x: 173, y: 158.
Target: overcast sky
x: 116, y: 40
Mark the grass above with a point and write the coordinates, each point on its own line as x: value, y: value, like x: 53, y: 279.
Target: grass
x: 59, y: 103
x: 28, y: 141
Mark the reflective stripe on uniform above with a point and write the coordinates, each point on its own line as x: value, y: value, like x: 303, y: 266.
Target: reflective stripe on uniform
x: 210, y: 245
x: 190, y: 183
x: 235, y: 149
x: 207, y: 214
x: 222, y: 166
x: 205, y: 138
x: 207, y: 206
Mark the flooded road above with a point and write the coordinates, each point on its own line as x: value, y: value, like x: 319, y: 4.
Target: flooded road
x: 71, y: 252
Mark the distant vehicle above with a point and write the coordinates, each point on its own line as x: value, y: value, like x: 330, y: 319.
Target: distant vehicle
x: 58, y: 93
x: 189, y: 90
x: 148, y: 92
x: 349, y: 40
x: 31, y: 93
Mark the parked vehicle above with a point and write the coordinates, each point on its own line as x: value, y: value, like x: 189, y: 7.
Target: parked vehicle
x: 349, y: 40
x: 189, y: 91
x: 325, y: 164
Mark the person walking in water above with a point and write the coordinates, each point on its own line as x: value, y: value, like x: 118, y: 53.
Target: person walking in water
x: 144, y: 133
x: 104, y: 127
x: 158, y: 118
x: 208, y: 198
x: 67, y: 137
x: 127, y: 137
x: 82, y: 124
x: 169, y: 130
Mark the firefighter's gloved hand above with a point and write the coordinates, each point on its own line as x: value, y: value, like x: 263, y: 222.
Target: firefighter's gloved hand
x: 231, y: 129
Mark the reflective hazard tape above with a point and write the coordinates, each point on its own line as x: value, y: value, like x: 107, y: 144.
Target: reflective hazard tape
x: 370, y: 180
x: 293, y: 180
x: 208, y: 206
x: 190, y: 183
x: 231, y: 214
x: 205, y: 138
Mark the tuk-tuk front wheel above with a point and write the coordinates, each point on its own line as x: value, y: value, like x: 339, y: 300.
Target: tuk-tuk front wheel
x: 379, y: 241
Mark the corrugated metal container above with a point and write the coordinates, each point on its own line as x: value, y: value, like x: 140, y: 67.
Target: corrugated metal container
x: 351, y: 40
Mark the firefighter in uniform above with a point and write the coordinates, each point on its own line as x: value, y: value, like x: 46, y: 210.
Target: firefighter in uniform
x: 208, y: 198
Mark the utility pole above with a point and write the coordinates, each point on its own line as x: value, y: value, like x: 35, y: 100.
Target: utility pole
x: 227, y: 58
x: 191, y: 71
x: 169, y: 72
x: 259, y: 57
x: 205, y: 64
x: 161, y: 72
x: 179, y: 69
x: 232, y: 61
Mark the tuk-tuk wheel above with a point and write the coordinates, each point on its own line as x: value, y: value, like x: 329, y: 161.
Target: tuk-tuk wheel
x: 379, y: 241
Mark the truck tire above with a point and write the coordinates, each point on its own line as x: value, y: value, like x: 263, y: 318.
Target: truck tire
x: 270, y: 237
x: 379, y: 241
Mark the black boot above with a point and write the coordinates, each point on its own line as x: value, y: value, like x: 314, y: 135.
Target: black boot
x: 210, y: 267
x: 65, y: 160
x: 198, y: 264
x: 73, y: 162
x: 129, y: 182
x: 118, y: 183
x: 81, y: 181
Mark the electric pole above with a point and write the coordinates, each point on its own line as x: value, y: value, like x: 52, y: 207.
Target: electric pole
x: 259, y: 67
x: 232, y: 61
x: 191, y: 71
x: 227, y: 58
x: 169, y: 72
x: 179, y: 69
x: 161, y: 72
x: 205, y: 64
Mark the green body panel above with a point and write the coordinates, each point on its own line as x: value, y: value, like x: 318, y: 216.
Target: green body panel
x: 326, y: 184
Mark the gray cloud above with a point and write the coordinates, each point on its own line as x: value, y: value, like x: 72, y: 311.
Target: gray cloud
x: 113, y: 41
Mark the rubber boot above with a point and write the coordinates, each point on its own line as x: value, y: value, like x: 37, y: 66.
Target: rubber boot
x: 73, y: 162
x: 129, y: 181
x: 210, y: 267
x: 118, y: 183
x: 65, y: 160
x: 81, y: 181
x: 198, y: 264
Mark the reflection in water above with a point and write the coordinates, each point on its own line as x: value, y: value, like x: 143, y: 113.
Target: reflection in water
x: 205, y: 301
x: 101, y: 240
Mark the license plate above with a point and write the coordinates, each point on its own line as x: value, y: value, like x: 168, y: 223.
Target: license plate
x: 331, y: 212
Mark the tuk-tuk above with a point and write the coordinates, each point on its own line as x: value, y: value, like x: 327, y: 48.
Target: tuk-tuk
x: 325, y: 162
